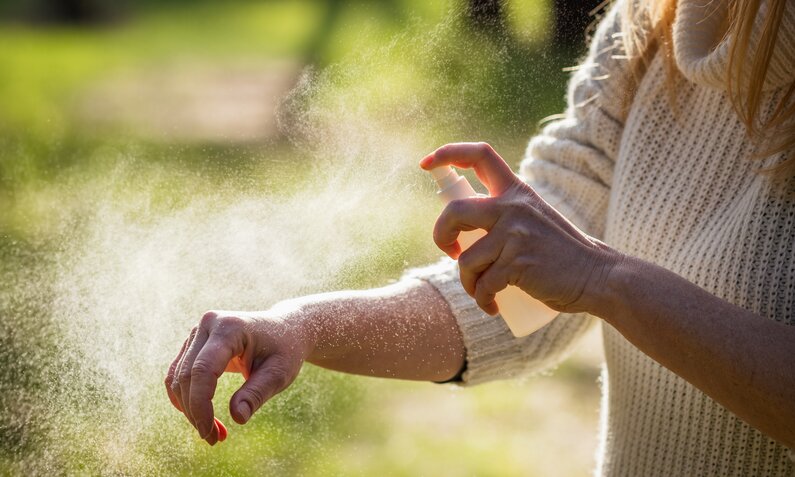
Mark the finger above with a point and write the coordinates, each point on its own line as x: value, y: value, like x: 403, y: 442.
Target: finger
x: 491, y: 282
x: 477, y: 258
x: 171, y: 376
x: 214, y: 435
x: 185, y: 371
x: 462, y: 215
x: 490, y: 168
x: 210, y: 363
x: 175, y: 386
x: 267, y: 380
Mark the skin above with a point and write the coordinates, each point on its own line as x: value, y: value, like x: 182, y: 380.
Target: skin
x: 741, y: 360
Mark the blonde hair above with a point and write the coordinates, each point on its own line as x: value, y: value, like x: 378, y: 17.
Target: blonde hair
x: 648, y: 29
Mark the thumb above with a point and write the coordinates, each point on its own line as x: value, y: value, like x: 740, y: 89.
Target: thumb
x: 266, y: 380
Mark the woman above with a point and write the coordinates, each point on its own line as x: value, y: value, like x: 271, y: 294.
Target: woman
x: 671, y: 117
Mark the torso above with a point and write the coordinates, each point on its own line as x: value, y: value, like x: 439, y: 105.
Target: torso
x: 685, y: 196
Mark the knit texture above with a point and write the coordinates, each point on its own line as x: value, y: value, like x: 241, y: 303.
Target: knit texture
x: 675, y: 186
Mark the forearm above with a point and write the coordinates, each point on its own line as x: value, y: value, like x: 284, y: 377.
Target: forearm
x: 740, y: 359
x: 405, y: 331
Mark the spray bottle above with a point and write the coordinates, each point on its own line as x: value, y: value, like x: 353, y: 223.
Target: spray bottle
x: 523, y: 313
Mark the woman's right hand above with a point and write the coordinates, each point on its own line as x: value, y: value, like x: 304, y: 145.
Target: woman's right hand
x: 266, y: 347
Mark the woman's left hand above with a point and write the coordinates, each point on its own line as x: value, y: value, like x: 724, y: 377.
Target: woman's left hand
x: 528, y: 243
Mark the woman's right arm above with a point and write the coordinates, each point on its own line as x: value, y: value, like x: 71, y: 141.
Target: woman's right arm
x: 408, y: 330
x: 405, y: 330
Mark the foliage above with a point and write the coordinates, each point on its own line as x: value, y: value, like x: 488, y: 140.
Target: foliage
x: 408, y: 62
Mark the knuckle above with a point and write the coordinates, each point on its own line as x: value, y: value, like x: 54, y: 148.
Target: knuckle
x: 444, y: 150
x: 455, y: 206
x: 479, y: 290
x: 491, y: 284
x: 485, y: 148
x: 279, y: 377
x: 467, y: 284
x: 207, y: 319
x: 437, y: 236
x: 481, y: 298
x: 465, y: 261
x: 201, y: 367
x: 515, y: 275
x: 483, y: 288
x: 256, y: 396
x: 184, y: 377
x: 517, y: 231
x: 228, y: 324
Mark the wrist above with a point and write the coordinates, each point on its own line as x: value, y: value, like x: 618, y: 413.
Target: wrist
x: 300, y: 321
x: 608, y: 293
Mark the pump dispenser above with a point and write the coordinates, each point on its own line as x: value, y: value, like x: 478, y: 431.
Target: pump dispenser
x: 523, y: 313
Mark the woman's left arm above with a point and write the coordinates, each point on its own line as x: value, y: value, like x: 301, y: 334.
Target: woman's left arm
x: 741, y: 360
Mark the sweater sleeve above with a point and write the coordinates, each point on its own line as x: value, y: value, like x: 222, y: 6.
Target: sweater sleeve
x: 570, y: 164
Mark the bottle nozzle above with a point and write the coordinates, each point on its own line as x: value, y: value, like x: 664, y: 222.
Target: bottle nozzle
x: 451, y: 185
x: 445, y: 176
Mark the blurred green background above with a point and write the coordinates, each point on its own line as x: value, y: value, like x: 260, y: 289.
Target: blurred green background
x: 173, y: 98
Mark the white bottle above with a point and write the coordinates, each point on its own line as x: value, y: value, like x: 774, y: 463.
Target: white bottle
x: 523, y: 313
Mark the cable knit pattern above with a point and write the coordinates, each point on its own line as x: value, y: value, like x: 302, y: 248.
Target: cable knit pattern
x: 676, y: 189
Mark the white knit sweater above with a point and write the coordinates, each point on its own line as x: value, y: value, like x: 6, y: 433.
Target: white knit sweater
x: 676, y: 189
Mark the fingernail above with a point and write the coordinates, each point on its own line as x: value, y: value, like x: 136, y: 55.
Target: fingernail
x: 245, y: 410
x: 222, y: 432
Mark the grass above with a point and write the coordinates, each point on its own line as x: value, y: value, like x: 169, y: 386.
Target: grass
x: 408, y: 60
